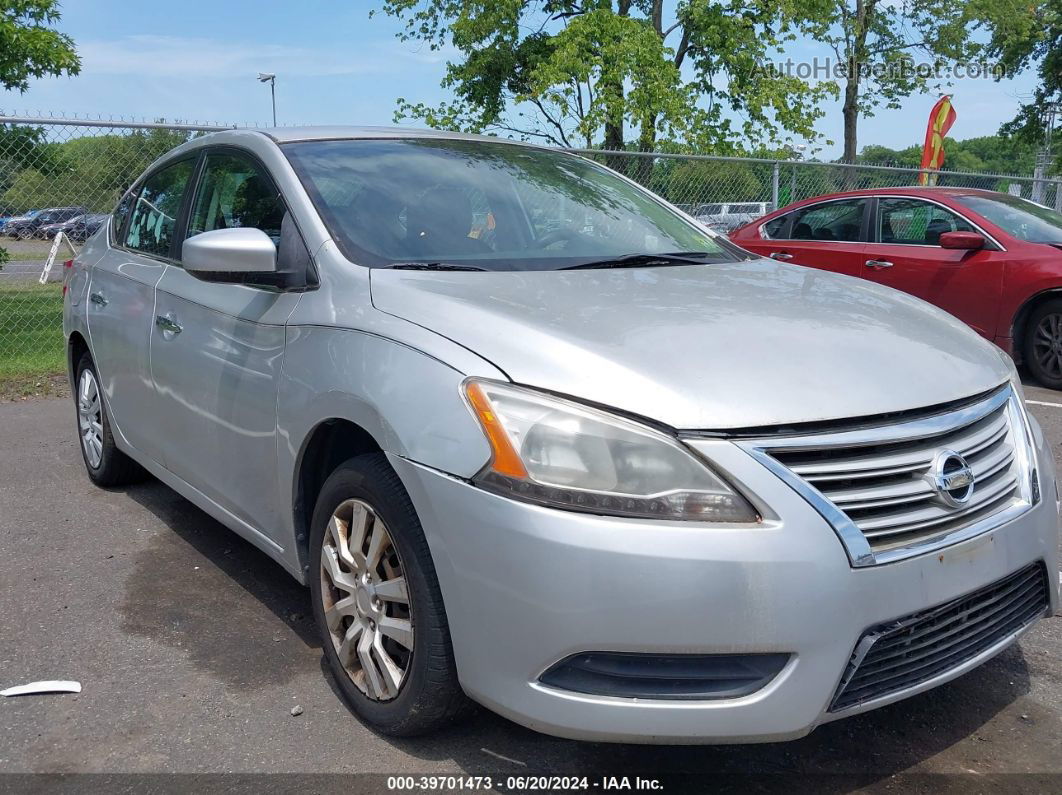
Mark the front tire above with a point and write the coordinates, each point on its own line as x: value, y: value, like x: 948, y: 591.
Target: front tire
x: 107, y: 466
x: 1042, y: 348
x: 377, y: 603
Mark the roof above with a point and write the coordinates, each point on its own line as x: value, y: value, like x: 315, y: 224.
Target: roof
x: 915, y: 190
x: 333, y: 132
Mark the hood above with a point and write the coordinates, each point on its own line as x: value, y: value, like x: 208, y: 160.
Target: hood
x: 735, y: 345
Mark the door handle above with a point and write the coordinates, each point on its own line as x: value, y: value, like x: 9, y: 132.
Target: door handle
x: 780, y: 255
x: 878, y: 264
x: 168, y: 324
x: 97, y: 298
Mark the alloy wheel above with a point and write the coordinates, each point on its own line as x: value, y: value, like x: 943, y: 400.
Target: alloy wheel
x: 90, y: 418
x: 366, y: 600
x: 1047, y: 345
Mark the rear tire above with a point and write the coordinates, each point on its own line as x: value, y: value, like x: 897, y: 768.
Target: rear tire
x: 107, y: 466
x: 1042, y: 345
x: 378, y: 605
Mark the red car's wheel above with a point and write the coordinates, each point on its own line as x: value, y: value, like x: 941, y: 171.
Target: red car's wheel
x: 1043, y: 343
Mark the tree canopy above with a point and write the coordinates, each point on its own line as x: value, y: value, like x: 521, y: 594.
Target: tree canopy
x: 1028, y: 35
x: 878, y: 45
x: 575, y: 73
x: 91, y: 171
x: 992, y: 154
x: 29, y: 44
x: 31, y: 47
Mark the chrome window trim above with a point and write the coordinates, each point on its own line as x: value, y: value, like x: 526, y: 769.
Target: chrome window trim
x: 764, y: 236
x: 855, y: 543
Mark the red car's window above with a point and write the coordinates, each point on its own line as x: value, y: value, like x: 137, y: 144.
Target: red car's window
x: 916, y: 222
x: 836, y: 221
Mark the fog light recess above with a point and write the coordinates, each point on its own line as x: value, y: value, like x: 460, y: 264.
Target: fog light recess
x: 688, y: 677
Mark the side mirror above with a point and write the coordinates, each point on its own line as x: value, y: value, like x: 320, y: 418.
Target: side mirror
x: 230, y: 251
x: 962, y: 240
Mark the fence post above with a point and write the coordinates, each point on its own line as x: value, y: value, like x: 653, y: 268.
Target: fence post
x: 774, y: 186
x: 1058, y: 195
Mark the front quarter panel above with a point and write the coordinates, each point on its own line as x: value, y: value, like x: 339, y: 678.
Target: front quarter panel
x: 407, y: 401
x: 398, y: 381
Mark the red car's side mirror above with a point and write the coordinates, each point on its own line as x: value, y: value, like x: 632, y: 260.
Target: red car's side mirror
x: 962, y: 240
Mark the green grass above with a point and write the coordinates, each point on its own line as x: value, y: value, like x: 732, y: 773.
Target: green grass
x: 31, y: 336
x: 30, y: 250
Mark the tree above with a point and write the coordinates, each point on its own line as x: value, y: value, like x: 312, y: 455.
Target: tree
x: 30, y: 46
x: 574, y: 73
x: 1027, y: 35
x: 91, y: 171
x: 875, y: 43
x: 992, y: 154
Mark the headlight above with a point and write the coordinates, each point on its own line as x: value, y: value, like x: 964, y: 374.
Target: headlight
x: 559, y: 453
x: 1015, y: 378
x: 1025, y: 441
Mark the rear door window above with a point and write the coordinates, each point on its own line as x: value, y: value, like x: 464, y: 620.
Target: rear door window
x: 775, y: 228
x: 154, y: 217
x: 830, y: 221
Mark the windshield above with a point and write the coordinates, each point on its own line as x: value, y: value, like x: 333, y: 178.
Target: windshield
x: 1018, y: 217
x: 494, y: 206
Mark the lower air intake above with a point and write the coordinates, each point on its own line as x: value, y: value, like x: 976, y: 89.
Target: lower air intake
x: 908, y: 651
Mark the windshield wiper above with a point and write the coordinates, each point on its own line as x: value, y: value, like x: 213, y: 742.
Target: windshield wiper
x: 432, y: 266
x: 646, y: 260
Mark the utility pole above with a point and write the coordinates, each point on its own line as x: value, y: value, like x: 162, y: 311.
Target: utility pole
x: 1043, y: 157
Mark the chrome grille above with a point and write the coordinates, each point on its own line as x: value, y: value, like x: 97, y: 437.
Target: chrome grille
x: 875, y: 484
x: 904, y: 653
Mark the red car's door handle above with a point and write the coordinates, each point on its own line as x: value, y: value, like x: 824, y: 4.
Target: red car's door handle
x: 780, y: 255
x: 878, y: 263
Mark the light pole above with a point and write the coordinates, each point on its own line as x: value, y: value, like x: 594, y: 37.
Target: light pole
x: 269, y: 77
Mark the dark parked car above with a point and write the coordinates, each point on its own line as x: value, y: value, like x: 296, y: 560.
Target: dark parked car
x: 991, y: 259
x: 12, y: 223
x: 30, y: 225
x: 79, y: 228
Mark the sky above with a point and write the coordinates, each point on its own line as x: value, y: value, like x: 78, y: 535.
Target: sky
x: 198, y: 61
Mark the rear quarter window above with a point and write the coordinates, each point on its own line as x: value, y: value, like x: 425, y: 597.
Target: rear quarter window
x: 775, y: 228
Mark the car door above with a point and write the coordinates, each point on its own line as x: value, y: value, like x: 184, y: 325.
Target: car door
x: 905, y: 253
x: 121, y: 306
x: 217, y: 349
x: 829, y: 235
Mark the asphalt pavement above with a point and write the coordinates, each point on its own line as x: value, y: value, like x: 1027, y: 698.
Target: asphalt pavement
x: 193, y: 648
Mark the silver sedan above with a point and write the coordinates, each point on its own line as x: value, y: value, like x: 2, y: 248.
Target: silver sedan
x: 536, y: 439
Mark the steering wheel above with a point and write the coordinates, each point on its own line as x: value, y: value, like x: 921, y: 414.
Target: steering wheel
x: 557, y: 236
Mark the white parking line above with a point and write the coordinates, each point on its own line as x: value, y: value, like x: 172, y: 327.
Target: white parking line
x: 1041, y: 403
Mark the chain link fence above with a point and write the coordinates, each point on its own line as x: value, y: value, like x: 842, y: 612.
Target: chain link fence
x: 711, y: 187
x: 69, y: 173
x: 57, y: 174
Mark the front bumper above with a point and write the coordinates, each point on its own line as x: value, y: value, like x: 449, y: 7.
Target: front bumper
x: 526, y: 586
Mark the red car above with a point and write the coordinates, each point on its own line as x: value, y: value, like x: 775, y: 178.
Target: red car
x: 991, y: 259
